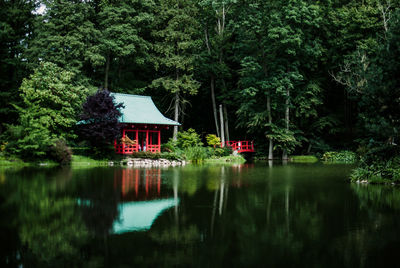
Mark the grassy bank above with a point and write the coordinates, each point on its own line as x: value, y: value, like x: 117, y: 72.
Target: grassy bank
x: 304, y: 159
x: 80, y: 160
x: 16, y: 162
x: 226, y: 159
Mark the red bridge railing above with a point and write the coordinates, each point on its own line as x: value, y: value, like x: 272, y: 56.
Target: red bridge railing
x: 240, y: 146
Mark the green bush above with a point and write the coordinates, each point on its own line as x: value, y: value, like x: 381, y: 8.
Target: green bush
x: 61, y: 153
x: 340, y: 157
x: 195, y: 154
x: 213, y: 140
x: 170, y: 146
x: 188, y: 139
x: 171, y: 156
x: 219, y: 152
x: 378, y: 172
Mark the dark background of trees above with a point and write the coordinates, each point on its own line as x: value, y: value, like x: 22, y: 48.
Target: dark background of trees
x: 308, y: 75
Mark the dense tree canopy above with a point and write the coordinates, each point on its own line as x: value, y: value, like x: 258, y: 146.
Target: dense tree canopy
x: 296, y: 76
x: 52, y: 100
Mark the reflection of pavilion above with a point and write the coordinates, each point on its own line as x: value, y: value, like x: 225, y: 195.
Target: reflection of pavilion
x: 142, y: 201
x: 138, y: 184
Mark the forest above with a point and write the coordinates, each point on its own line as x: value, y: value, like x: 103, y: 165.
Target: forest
x: 295, y: 76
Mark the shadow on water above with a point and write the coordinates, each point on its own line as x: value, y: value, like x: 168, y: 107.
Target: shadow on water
x: 255, y: 214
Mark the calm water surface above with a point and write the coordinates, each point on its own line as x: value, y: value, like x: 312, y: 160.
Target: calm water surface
x: 249, y: 215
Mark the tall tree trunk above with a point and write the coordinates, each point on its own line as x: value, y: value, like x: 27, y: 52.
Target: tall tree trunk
x: 222, y: 125
x: 176, y: 117
x: 226, y: 123
x: 107, y: 71
x: 287, y: 111
x: 212, y: 84
x: 271, y: 143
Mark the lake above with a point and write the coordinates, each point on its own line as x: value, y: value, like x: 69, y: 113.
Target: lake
x: 252, y: 215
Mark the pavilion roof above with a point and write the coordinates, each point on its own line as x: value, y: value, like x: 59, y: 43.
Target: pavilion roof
x: 141, y: 110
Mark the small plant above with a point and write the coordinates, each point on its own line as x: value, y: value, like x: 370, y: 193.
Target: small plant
x: 213, y: 140
x: 195, y: 154
x: 340, y: 157
x: 60, y: 152
x: 170, y: 146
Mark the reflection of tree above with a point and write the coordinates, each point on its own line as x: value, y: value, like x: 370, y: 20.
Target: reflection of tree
x: 176, y: 246
x: 375, y: 240
x: 99, y: 198
x: 49, y: 225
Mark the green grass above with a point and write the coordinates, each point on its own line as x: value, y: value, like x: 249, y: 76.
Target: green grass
x: 80, y: 160
x: 304, y: 158
x: 16, y: 162
x: 12, y: 162
x: 226, y: 159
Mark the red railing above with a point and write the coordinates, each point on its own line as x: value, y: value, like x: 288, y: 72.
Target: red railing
x: 240, y: 146
x: 133, y: 148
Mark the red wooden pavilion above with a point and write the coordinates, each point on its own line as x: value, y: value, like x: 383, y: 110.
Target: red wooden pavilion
x: 141, y: 123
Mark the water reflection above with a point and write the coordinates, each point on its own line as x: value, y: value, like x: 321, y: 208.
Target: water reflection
x: 236, y: 215
x: 137, y: 185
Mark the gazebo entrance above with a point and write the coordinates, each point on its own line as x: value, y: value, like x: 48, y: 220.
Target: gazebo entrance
x: 134, y: 139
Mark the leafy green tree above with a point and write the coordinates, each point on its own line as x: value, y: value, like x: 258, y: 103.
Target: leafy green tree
x: 123, y: 26
x: 64, y: 35
x: 281, y: 48
x: 15, y: 29
x: 216, y: 17
x: 176, y: 33
x: 52, y: 100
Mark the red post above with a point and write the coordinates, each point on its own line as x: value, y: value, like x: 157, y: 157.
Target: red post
x: 159, y: 141
x: 147, y: 139
x: 137, y: 140
x: 123, y: 144
x: 151, y: 139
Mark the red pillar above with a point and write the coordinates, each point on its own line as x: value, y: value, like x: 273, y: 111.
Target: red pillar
x: 123, y: 144
x: 137, y: 140
x: 159, y: 141
x: 147, y: 140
